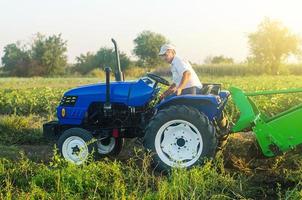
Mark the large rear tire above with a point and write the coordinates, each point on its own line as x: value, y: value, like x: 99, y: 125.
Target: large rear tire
x: 180, y: 136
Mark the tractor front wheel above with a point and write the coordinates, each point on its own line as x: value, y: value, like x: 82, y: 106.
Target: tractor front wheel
x: 75, y: 145
x: 180, y: 136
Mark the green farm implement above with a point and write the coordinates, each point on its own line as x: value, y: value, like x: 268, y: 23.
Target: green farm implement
x: 274, y: 135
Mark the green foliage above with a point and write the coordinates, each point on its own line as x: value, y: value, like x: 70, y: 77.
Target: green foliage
x: 38, y: 82
x: 225, y: 70
x: 207, y: 182
x: 134, y: 71
x: 46, y: 56
x: 219, y: 70
x: 103, y: 58
x: 271, y: 44
x: 100, y: 73
x: 16, y: 129
x: 16, y: 60
x: 219, y: 60
x: 295, y: 69
x: 147, y: 46
x: 113, y: 180
x: 26, y: 101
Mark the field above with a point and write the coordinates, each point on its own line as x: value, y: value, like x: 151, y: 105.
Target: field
x: 30, y: 170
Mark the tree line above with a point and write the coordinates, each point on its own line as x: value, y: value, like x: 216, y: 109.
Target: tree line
x: 270, y: 45
x: 46, y: 56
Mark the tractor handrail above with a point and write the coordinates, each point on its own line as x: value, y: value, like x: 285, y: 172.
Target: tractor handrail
x: 270, y: 92
x: 292, y: 109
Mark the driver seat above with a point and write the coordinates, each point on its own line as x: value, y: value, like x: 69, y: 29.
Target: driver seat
x: 211, y: 88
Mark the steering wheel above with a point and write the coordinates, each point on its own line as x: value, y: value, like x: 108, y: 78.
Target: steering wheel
x: 158, y: 79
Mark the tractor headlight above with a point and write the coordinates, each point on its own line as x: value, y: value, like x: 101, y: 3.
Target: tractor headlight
x: 63, y: 112
x: 68, y: 101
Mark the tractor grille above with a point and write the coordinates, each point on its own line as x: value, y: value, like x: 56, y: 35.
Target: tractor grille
x: 68, y: 101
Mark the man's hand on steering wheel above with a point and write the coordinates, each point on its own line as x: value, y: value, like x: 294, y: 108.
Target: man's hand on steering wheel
x: 169, y: 91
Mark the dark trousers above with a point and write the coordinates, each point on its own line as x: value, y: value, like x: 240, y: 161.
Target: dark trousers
x: 191, y: 90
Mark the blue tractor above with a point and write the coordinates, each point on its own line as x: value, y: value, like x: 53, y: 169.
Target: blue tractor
x: 179, y: 131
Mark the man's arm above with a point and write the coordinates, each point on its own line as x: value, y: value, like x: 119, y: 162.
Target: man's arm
x: 184, y: 80
x: 170, y: 90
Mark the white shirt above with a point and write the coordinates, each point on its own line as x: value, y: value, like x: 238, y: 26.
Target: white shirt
x: 178, y: 67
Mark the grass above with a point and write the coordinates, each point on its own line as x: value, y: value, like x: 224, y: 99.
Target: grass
x: 38, y: 82
x: 20, y: 130
x: 243, y: 69
x: 9, y: 151
x: 114, y: 180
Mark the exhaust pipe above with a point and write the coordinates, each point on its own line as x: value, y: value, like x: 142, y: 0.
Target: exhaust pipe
x: 107, y: 105
x: 118, y: 73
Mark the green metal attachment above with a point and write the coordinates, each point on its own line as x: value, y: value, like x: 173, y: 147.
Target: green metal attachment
x: 276, y: 134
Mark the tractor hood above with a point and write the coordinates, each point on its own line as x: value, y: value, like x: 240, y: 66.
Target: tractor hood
x: 132, y: 93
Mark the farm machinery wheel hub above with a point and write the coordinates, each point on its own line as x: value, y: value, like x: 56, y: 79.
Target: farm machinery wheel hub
x: 178, y: 143
x: 106, y: 145
x: 75, y: 150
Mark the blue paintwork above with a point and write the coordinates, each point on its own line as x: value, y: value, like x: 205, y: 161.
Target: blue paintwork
x: 224, y: 94
x: 207, y: 104
x: 134, y: 94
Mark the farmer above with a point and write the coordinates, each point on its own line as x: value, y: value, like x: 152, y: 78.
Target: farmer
x: 185, y: 80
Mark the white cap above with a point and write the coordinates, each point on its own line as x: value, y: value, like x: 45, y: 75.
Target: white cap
x: 164, y: 49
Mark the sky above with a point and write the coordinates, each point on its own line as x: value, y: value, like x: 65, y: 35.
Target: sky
x: 198, y: 28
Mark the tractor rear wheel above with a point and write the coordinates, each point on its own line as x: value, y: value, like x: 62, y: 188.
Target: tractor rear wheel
x: 180, y: 136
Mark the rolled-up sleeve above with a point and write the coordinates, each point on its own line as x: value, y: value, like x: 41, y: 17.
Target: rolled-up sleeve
x: 181, y: 67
